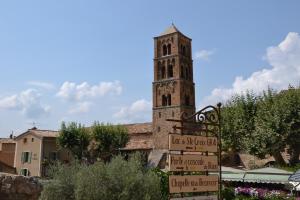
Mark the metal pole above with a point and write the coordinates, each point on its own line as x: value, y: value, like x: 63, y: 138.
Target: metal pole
x: 220, y: 152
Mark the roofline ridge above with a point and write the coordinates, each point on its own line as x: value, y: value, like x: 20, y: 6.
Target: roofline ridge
x: 137, y: 123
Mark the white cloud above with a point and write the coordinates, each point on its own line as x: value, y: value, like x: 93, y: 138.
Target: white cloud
x: 79, y: 92
x: 81, y: 107
x: 10, y: 102
x: 204, y: 54
x: 139, y: 110
x: 41, y: 84
x: 28, y: 102
x: 285, y: 69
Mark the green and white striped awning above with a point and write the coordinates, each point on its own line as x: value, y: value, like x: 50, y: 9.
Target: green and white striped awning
x: 262, y: 175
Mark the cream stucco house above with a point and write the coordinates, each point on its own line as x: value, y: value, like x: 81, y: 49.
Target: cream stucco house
x: 35, y: 149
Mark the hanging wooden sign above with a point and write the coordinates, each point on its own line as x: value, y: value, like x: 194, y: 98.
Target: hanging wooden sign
x: 193, y: 163
x: 193, y: 183
x: 211, y: 197
x: 192, y: 143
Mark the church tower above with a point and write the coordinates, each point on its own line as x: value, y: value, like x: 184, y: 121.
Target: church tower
x: 173, y: 86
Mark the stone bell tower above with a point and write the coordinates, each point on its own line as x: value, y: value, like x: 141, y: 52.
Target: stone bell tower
x: 173, y: 86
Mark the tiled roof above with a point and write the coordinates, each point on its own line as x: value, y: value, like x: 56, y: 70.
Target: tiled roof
x: 7, y: 140
x: 40, y: 133
x: 140, y: 136
x: 137, y: 142
x: 139, y: 128
x: 45, y: 133
x: 169, y: 30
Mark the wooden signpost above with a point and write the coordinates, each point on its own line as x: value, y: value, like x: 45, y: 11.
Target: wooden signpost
x: 192, y: 143
x: 196, y: 183
x: 206, y: 156
x: 193, y: 163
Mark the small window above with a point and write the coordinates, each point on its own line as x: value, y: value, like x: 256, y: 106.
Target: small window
x: 187, y: 100
x: 186, y: 73
x: 170, y: 71
x: 26, y: 157
x: 159, y: 114
x: 24, y: 172
x: 24, y: 140
x: 169, y: 49
x: 158, y: 129
x: 169, y: 100
x: 164, y: 100
x: 32, y: 139
x: 165, y: 51
x: 181, y: 72
x: 183, y: 50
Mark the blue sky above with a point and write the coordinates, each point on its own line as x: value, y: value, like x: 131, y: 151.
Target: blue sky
x: 93, y: 60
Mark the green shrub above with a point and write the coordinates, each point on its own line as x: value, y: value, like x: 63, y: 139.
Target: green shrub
x: 164, y: 182
x: 119, y: 179
x: 62, y: 184
x: 228, y: 193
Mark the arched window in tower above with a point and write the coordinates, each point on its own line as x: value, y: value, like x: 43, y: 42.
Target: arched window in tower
x: 186, y: 73
x: 163, y: 72
x: 183, y: 50
x: 169, y: 49
x: 164, y: 100
x: 169, y: 100
x: 170, y: 71
x: 181, y: 72
x: 187, y: 100
x: 165, y: 50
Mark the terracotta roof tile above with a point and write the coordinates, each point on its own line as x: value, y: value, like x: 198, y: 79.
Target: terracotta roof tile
x: 7, y: 140
x: 139, y: 142
x: 140, y: 136
x: 139, y: 128
x: 45, y: 133
x: 169, y: 30
x: 39, y: 133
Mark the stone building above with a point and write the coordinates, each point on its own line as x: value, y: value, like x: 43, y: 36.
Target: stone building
x: 173, y: 86
x: 7, y: 155
x: 173, y: 93
x: 35, y: 149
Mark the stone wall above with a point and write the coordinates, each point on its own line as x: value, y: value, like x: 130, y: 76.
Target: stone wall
x: 15, y: 187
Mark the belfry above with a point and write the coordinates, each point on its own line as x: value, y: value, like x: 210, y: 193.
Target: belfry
x: 173, y: 86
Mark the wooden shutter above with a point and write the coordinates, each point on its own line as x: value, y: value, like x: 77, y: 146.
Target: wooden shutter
x: 23, y: 157
x: 29, y: 157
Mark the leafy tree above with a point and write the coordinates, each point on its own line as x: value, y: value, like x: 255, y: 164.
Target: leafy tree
x: 107, y: 139
x: 277, y: 125
x: 269, y: 129
x: 75, y: 138
x: 290, y: 107
x: 264, y: 124
x: 238, y: 121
